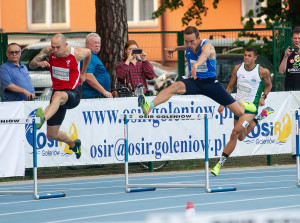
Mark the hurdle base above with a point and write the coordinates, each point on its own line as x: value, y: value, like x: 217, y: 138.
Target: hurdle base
x: 168, y: 185
x: 220, y: 189
x: 48, y: 196
x: 130, y: 190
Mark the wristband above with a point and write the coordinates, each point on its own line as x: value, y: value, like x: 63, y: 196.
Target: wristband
x: 264, y: 95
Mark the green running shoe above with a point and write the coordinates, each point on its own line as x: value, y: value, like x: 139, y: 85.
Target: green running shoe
x: 144, y: 104
x: 40, y: 113
x: 77, y: 148
x: 216, y: 169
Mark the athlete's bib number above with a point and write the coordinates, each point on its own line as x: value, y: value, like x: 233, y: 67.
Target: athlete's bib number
x: 61, y: 73
x: 244, y: 89
x: 200, y: 68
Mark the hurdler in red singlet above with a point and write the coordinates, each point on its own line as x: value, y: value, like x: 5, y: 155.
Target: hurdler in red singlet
x: 64, y: 68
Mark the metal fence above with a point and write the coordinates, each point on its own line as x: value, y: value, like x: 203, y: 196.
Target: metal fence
x: 270, y: 43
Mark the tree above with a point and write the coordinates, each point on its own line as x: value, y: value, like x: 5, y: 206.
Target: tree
x: 111, y: 25
x: 276, y: 11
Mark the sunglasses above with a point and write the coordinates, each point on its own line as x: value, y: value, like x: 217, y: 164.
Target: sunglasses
x: 14, y: 52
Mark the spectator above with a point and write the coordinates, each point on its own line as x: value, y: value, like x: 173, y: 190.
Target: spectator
x: 290, y: 62
x: 15, y: 79
x: 97, y: 82
x: 135, y: 68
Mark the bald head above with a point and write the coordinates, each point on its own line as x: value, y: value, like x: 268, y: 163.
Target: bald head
x: 59, y: 37
x: 59, y: 45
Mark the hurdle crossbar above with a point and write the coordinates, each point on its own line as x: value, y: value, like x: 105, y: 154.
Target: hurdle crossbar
x: 297, y: 147
x: 36, y: 196
x: 151, y: 187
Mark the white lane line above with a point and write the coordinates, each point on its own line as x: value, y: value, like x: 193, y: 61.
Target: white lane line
x: 105, y: 194
x: 153, y: 198
x: 212, y: 179
x: 172, y: 207
x: 224, y: 173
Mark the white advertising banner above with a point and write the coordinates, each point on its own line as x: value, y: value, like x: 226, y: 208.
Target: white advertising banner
x: 12, y: 153
x: 97, y: 124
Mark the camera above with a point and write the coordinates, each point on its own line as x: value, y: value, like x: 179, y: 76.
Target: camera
x: 137, y: 51
x: 294, y: 49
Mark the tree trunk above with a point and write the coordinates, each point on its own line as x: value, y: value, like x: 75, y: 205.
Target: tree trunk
x: 111, y: 25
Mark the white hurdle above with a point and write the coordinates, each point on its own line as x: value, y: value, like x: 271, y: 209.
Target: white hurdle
x: 36, y: 196
x: 151, y: 187
x: 297, y: 147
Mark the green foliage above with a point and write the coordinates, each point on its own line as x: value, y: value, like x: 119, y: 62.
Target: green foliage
x: 197, y: 9
x: 276, y: 11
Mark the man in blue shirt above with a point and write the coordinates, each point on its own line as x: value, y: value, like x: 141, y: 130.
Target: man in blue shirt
x: 97, y: 82
x: 201, y: 58
x: 15, y: 80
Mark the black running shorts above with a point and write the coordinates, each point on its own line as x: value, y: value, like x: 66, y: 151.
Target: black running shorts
x: 72, y: 102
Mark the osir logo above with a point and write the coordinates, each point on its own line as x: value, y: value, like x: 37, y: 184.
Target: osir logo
x: 281, y: 129
x: 73, y: 135
x: 285, y: 131
x: 42, y: 141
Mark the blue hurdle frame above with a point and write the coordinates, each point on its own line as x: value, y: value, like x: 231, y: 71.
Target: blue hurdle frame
x: 297, y: 148
x: 36, y: 196
x: 151, y: 187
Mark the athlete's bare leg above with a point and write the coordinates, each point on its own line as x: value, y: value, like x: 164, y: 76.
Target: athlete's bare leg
x: 250, y: 127
x: 239, y: 130
x: 167, y: 93
x: 237, y: 108
x: 59, y: 98
x: 54, y: 134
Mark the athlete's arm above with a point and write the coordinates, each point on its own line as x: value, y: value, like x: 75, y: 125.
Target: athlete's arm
x: 40, y: 59
x: 170, y: 51
x: 231, y: 85
x: 208, y: 51
x: 85, y: 55
x: 233, y: 79
x: 265, y: 75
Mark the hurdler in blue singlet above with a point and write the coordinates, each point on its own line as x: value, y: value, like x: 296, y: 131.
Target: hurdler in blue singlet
x: 207, y: 70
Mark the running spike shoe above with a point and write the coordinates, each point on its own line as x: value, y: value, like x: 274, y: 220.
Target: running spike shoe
x: 264, y: 113
x: 77, y: 148
x: 40, y: 113
x: 144, y: 104
x: 216, y: 169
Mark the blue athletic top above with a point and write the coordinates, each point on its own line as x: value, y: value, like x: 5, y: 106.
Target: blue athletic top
x: 207, y: 70
x: 12, y: 74
x: 97, y: 68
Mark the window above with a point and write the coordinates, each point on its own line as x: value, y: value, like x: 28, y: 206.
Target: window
x: 248, y: 5
x: 139, y: 13
x: 48, y: 14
